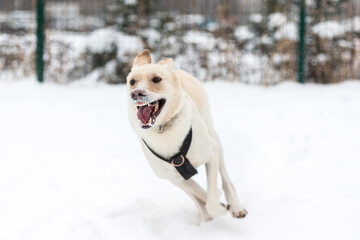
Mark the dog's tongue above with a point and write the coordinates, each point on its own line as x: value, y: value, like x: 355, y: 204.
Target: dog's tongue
x: 144, y: 113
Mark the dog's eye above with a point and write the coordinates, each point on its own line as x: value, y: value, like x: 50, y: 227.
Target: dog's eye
x: 132, y: 82
x: 156, y: 79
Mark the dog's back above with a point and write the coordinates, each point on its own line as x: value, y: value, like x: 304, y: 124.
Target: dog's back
x: 196, y: 92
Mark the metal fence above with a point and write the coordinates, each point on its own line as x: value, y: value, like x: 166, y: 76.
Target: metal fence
x: 250, y: 41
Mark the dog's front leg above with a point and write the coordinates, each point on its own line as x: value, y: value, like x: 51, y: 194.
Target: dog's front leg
x: 198, y: 195
x: 213, y: 205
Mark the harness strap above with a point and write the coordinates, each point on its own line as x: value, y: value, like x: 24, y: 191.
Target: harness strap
x: 179, y: 160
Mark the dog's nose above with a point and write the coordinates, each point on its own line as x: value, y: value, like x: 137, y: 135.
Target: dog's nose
x: 138, y: 94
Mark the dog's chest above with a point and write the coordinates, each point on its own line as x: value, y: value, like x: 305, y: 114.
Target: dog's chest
x: 200, y: 152
x: 166, y: 170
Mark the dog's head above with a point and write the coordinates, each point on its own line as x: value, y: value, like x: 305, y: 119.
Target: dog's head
x: 155, y: 94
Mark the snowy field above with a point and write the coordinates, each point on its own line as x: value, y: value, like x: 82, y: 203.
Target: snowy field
x: 71, y: 167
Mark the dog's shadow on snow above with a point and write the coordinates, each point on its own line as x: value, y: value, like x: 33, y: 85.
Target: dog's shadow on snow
x: 155, y: 215
x: 148, y: 209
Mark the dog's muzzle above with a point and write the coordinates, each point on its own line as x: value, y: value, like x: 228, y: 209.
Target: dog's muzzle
x: 138, y: 95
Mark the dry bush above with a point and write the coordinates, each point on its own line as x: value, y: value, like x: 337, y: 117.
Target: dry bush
x: 332, y: 60
x: 15, y: 56
x: 284, y: 57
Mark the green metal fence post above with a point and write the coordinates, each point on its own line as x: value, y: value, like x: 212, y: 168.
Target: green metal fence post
x: 301, y: 43
x: 40, y: 40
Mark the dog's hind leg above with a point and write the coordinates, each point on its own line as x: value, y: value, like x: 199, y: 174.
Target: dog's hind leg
x: 234, y: 206
x: 236, y: 209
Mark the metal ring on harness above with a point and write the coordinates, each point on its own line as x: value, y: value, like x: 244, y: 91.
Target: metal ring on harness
x: 178, y: 165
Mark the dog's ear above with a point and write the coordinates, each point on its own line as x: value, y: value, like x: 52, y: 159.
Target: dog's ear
x: 167, y: 62
x: 143, y: 58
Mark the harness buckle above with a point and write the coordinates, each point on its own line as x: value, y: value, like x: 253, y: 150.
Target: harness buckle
x: 178, y: 161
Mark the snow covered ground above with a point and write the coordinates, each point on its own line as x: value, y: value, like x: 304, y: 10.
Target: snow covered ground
x: 71, y: 167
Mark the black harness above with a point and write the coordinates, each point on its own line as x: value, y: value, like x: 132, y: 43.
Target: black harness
x: 179, y: 160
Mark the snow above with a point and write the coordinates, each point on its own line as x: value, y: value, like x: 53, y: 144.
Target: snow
x: 190, y: 19
x: 78, y: 23
x: 99, y: 41
x: 211, y: 26
x: 252, y: 67
x: 334, y: 29
x: 265, y: 39
x: 329, y: 29
x: 322, y: 58
x: 130, y: 2
x: 203, y: 40
x: 354, y: 24
x: 256, y: 17
x: 128, y: 44
x: 276, y: 20
x: 72, y: 168
x: 19, y: 19
x: 287, y: 31
x: 63, y: 10
x: 279, y: 58
x: 170, y: 26
x: 103, y: 40
x: 345, y: 44
x: 242, y: 33
x: 153, y: 36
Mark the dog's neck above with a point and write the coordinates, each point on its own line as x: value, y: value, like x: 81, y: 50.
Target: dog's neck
x: 167, y: 125
x: 168, y: 141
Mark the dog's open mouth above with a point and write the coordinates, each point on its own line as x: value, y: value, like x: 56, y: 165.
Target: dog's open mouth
x: 148, y: 112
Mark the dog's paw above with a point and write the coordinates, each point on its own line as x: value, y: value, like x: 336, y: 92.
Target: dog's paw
x: 237, y: 212
x: 215, y: 209
x: 204, y: 216
x: 204, y: 219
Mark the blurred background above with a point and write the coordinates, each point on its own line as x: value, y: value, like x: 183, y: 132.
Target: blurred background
x: 249, y: 41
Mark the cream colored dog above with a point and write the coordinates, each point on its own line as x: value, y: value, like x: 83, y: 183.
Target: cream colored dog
x: 164, y: 103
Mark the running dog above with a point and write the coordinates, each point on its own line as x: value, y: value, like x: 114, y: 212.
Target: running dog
x: 169, y: 111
